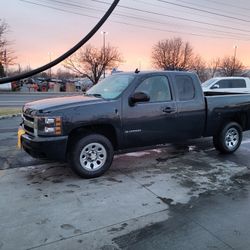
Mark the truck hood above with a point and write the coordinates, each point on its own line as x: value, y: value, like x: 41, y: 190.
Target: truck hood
x: 58, y: 102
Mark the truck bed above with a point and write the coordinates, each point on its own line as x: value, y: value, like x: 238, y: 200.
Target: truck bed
x: 226, y: 106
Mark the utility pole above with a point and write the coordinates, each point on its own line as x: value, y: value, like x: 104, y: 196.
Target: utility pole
x: 104, y: 48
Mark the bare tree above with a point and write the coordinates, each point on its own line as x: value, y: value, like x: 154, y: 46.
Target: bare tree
x: 64, y: 74
x: 6, y: 53
x: 230, y: 66
x: 199, y: 66
x: 90, y: 62
x: 172, y: 54
x: 214, y: 66
x: 2, y: 74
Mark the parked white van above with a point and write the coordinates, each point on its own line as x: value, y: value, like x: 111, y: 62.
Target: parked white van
x: 227, y: 84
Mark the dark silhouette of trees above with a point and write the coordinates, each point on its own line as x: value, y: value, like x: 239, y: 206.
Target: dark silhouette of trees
x: 199, y: 66
x: 214, y: 66
x: 7, y: 57
x: 91, y: 62
x: 230, y: 66
x: 172, y: 54
x: 176, y: 54
x: 64, y: 74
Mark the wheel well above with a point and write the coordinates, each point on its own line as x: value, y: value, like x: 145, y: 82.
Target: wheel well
x: 240, y: 118
x: 103, y: 129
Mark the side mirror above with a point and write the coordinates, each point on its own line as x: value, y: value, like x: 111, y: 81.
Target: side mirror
x: 215, y: 86
x: 138, y: 97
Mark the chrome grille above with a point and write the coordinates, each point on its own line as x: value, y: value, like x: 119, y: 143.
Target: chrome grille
x: 28, y: 124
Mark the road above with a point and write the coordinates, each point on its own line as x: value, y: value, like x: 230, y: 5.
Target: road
x: 19, y: 99
x: 178, y: 197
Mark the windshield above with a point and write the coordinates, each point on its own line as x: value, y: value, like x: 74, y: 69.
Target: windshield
x: 111, y: 87
x: 208, y: 82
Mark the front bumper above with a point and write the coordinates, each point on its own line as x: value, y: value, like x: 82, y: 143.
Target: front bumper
x: 53, y: 148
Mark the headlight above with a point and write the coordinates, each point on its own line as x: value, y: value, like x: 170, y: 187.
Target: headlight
x: 48, y: 125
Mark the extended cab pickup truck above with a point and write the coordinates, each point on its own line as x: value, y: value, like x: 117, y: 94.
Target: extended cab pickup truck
x: 230, y: 84
x: 129, y: 110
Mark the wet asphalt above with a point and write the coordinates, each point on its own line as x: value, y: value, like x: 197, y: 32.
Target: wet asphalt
x: 10, y: 155
x: 214, y: 221
x: 183, y: 196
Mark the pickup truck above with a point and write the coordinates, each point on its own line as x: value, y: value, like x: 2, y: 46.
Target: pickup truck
x: 130, y: 110
x: 230, y: 84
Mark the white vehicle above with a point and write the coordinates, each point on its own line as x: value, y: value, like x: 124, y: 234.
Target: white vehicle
x: 6, y: 86
x: 227, y: 84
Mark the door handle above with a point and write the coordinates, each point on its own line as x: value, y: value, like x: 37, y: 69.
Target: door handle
x: 169, y: 110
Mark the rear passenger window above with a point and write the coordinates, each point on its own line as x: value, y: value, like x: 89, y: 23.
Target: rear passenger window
x: 238, y: 83
x: 185, y: 88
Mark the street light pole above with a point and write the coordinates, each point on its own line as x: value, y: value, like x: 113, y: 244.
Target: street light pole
x: 235, y: 50
x: 104, y: 48
x: 50, y: 70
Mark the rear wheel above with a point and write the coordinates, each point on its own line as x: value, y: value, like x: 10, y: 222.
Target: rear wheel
x: 91, y: 156
x: 229, y: 138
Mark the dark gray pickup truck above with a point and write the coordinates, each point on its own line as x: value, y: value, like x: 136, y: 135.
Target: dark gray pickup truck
x: 130, y: 110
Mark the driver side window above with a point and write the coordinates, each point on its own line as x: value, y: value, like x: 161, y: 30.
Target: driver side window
x: 157, y: 87
x: 222, y: 84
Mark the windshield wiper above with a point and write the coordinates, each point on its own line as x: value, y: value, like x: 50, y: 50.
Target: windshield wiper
x: 95, y: 95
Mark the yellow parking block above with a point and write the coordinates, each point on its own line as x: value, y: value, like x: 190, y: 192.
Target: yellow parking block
x: 19, y: 134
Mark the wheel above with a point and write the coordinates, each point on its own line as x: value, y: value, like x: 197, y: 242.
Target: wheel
x: 91, y: 156
x: 229, y: 138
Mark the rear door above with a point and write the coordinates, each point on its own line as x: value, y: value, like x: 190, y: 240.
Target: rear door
x: 190, y: 105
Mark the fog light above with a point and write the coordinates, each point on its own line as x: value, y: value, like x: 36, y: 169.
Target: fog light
x: 49, y: 130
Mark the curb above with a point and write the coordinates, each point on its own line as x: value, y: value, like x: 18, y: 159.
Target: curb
x: 9, y: 116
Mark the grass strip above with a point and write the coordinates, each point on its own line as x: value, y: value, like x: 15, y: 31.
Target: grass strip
x: 9, y: 111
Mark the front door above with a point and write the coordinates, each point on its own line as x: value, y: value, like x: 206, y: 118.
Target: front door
x: 152, y: 122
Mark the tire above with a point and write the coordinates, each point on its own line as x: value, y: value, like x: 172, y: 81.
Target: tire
x: 91, y: 156
x: 229, y: 138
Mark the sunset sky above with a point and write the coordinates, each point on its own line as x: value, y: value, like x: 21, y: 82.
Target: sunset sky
x: 42, y: 27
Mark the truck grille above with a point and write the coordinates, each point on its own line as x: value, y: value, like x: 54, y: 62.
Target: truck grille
x: 28, y: 124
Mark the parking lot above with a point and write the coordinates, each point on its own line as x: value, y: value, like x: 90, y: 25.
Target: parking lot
x: 174, y: 197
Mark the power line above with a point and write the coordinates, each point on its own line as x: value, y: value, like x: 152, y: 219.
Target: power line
x: 141, y: 18
x: 138, y: 18
x: 68, y: 53
x: 134, y: 25
x: 231, y: 5
x: 196, y: 27
x: 174, y: 17
x: 55, y: 8
x: 205, y: 11
x: 211, y: 8
x: 180, y: 32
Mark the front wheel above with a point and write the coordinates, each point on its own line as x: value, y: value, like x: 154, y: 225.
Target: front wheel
x: 229, y: 138
x: 91, y: 156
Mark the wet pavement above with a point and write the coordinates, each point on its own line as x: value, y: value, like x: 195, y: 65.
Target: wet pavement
x: 214, y: 221
x: 10, y: 156
x: 178, y: 197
